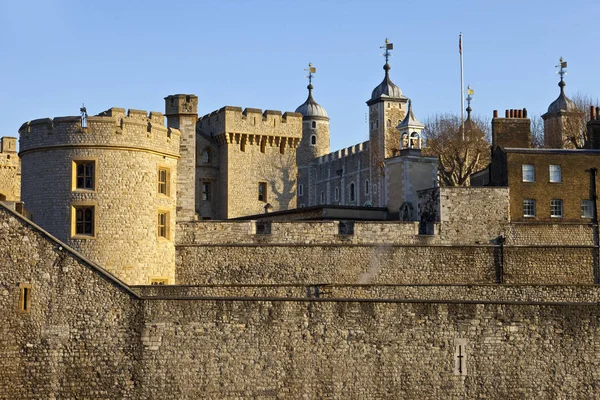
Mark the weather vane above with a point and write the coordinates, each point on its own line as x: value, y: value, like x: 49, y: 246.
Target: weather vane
x: 562, y: 65
x: 311, y: 70
x: 470, y: 94
x: 387, y: 46
x: 84, y: 115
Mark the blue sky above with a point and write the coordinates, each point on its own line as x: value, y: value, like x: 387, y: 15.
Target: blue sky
x: 131, y: 54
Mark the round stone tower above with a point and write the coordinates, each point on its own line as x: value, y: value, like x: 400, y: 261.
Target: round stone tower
x: 105, y: 185
x: 314, y: 142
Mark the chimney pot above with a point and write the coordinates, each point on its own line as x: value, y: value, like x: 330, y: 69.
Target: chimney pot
x: 506, y: 115
x: 495, y: 113
x: 592, y: 113
x: 524, y: 113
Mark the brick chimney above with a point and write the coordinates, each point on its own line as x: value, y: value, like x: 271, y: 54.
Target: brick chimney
x: 514, y: 130
x: 593, y: 129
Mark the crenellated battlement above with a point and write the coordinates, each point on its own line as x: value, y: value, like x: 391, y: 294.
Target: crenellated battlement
x: 252, y: 121
x: 114, y: 127
x: 347, y: 152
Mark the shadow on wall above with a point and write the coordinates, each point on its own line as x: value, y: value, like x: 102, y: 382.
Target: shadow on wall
x: 281, y: 175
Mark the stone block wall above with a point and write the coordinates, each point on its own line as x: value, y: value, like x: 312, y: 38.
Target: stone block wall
x: 87, y: 335
x: 10, y: 170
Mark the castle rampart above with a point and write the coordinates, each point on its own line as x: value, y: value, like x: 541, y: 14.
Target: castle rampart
x: 114, y: 128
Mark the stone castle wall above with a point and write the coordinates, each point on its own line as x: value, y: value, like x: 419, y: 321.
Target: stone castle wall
x: 89, y: 336
x: 127, y: 152
x: 254, y: 147
x: 10, y: 170
x: 380, y: 252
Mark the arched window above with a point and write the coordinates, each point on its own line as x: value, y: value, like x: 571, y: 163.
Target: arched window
x: 313, y: 140
x: 352, y: 192
x: 367, y: 187
x: 414, y: 140
x: 207, y: 156
x: 314, y: 124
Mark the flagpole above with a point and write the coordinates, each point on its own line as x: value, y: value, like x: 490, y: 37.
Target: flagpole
x: 462, y: 85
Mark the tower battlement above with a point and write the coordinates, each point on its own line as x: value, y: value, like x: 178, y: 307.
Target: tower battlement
x: 252, y: 121
x: 348, y: 151
x: 114, y: 127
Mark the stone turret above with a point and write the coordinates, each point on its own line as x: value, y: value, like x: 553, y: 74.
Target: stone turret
x: 563, y: 121
x: 182, y: 113
x: 411, y: 131
x: 106, y: 188
x: 387, y: 108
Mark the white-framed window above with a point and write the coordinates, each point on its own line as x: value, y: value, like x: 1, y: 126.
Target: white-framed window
x: 367, y: 187
x: 352, y: 196
x: 337, y: 194
x: 556, y: 208
x: 555, y: 174
x: 587, y: 209
x: 301, y: 190
x: 529, y: 208
x: 528, y: 173
x: 313, y: 140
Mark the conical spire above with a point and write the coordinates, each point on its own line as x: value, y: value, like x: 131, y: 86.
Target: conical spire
x: 409, y: 119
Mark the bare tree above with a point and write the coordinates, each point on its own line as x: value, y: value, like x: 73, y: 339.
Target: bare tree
x: 576, y: 125
x: 457, y: 158
x: 537, y: 131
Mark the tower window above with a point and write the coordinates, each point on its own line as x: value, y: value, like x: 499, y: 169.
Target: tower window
x: 25, y: 297
x: 367, y: 187
x: 282, y: 146
x: 163, y: 224
x: 313, y: 124
x: 262, y: 191
x: 207, y: 156
x: 313, y: 140
x: 84, y: 220
x: 389, y: 123
x: 163, y: 181
x: 322, y: 197
x: 301, y: 190
x: 84, y: 175
x: 206, y: 191
x: 243, y: 144
x: 337, y: 194
x: 263, y: 145
x: 377, y: 124
x: 352, y: 192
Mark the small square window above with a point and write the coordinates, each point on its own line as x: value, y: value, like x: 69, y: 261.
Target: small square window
x: 262, y: 191
x: 528, y: 173
x: 556, y: 208
x: 163, y: 224
x: 555, y: 174
x: 587, y: 209
x: 163, y: 181
x: 529, y: 208
x: 84, y: 220
x: 84, y: 175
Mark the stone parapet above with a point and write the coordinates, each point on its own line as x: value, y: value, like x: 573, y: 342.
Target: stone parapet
x: 134, y: 129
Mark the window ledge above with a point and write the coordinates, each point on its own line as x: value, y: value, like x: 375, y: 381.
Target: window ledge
x: 83, y: 237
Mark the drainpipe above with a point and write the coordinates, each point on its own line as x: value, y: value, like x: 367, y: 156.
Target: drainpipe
x: 593, y: 196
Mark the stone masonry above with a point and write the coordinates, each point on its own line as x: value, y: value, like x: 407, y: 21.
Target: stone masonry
x: 10, y: 170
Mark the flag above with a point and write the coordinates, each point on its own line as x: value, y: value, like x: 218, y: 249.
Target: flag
x: 312, y: 70
x: 389, y: 46
x: 460, y: 43
x: 470, y: 91
x: 563, y: 64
